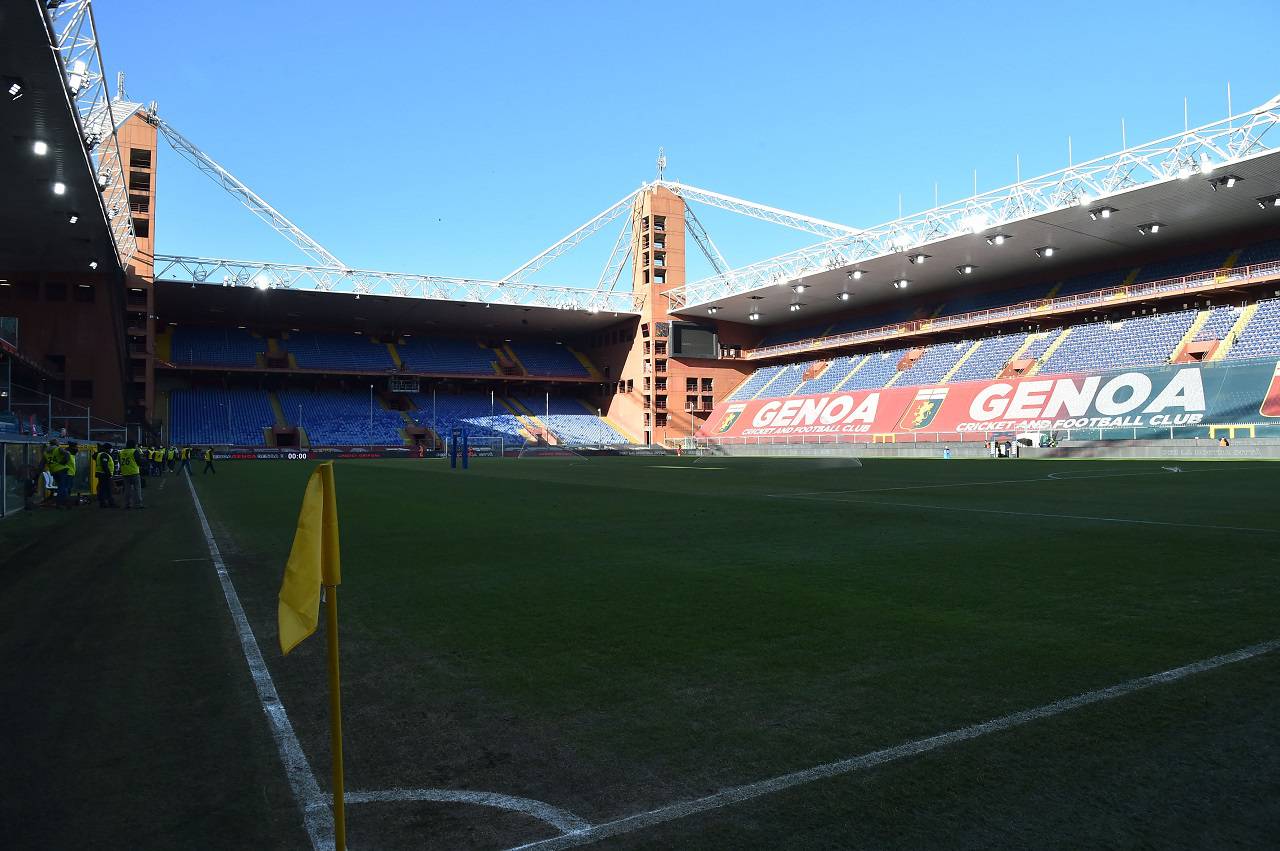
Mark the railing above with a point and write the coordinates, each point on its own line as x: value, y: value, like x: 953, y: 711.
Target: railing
x: 1209, y: 279
x: 1196, y: 432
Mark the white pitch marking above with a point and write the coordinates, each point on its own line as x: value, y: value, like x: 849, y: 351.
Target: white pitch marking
x: 316, y: 814
x: 738, y: 794
x: 562, y: 820
x: 200, y: 558
x: 1046, y: 514
x: 680, y: 467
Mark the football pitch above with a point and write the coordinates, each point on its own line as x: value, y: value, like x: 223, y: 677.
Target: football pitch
x: 655, y: 652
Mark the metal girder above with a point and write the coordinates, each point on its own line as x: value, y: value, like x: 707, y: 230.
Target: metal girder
x: 251, y: 200
x: 211, y: 271
x: 798, y: 221
x: 1197, y: 151
x: 622, y: 249
x: 709, y: 250
x: 569, y: 242
x: 74, y: 37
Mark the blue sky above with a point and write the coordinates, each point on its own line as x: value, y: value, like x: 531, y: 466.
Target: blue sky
x: 461, y: 138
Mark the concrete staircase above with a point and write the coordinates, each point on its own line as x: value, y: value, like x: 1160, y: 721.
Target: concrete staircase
x: 1053, y: 347
x: 1196, y: 324
x: 1246, y: 316
x: 964, y: 357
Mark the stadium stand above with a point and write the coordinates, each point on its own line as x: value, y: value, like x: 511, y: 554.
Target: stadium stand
x: 572, y: 424
x: 470, y: 411
x: 338, y: 351
x: 548, y: 359
x: 1218, y: 324
x: 756, y: 382
x: 203, y: 416
x: 1138, y: 341
x: 990, y: 358
x: 876, y: 372
x: 334, y: 418
x: 1261, y: 252
x: 193, y: 346
x: 934, y: 363
x: 838, y: 369
x: 1261, y: 337
x: 446, y: 355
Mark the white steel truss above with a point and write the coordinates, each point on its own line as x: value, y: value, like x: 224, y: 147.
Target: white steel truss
x: 798, y: 221
x: 74, y: 37
x: 571, y: 241
x: 1195, y: 151
x: 269, y: 276
x: 693, y: 226
x: 254, y: 202
x: 623, y: 248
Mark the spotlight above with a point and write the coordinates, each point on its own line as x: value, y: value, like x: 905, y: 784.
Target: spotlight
x: 93, y: 264
x: 798, y: 288
x: 1150, y: 228
x: 900, y: 284
x: 59, y: 188
x: 917, y: 259
x: 14, y: 87
x: 41, y: 148
x: 1227, y: 181
x: 794, y: 306
x: 1046, y: 251
x: 966, y: 268
x: 998, y: 238
x: 713, y: 310
x: 1101, y: 213
x: 73, y: 218
x: 261, y: 282
x: 856, y: 275
x: 843, y: 296
x: 1269, y: 201
x: 753, y: 316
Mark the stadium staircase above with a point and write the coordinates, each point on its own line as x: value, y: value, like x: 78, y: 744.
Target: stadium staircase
x: 586, y: 364
x: 631, y: 438
x: 528, y: 420
x: 1017, y: 360
x: 507, y: 363
x: 277, y: 410
x: 1246, y: 316
x: 164, y: 346
x: 395, y: 355
x: 859, y: 365
x: 1053, y: 347
x: 1180, y: 350
x: 959, y: 363
x: 759, y: 393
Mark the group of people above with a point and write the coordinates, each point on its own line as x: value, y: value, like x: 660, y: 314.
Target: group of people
x: 132, y: 464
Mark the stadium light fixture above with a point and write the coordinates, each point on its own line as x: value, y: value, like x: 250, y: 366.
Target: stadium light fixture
x: 93, y: 264
x: 900, y: 284
x: 843, y: 296
x: 1269, y: 201
x: 1046, y: 251
x: 40, y: 147
x: 59, y: 188
x: 73, y: 218
x: 998, y: 238
x: 918, y: 259
x: 855, y: 275
x: 14, y: 88
x: 1102, y: 213
x: 713, y: 309
x: 794, y: 306
x: 1227, y: 181
x: 798, y: 288
x: 965, y: 268
x: 1150, y: 228
x: 753, y: 315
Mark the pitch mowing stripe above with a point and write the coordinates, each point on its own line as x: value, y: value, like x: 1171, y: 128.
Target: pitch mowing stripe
x: 738, y: 794
x: 316, y: 815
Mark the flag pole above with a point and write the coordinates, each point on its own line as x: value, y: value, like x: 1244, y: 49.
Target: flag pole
x: 335, y: 720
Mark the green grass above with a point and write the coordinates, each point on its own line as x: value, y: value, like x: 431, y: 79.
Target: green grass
x: 615, y: 635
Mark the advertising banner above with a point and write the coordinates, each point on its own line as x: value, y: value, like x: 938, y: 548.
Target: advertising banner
x: 1151, y: 400
x: 321, y: 453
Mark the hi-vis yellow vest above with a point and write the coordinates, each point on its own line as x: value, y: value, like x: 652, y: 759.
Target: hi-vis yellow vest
x: 128, y: 462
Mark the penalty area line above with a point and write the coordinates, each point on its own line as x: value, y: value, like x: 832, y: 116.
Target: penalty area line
x: 739, y: 794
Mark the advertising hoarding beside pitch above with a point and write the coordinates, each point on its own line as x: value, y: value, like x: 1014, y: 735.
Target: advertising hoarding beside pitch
x: 1145, y: 402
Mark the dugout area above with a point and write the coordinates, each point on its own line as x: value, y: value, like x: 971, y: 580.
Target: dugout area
x: 514, y: 629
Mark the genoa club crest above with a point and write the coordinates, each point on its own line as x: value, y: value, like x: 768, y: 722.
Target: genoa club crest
x: 1271, y: 402
x: 730, y: 417
x: 922, y: 410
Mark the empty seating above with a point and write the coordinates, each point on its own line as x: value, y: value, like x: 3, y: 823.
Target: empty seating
x: 1261, y: 337
x: 756, y: 382
x: 837, y: 371
x: 876, y: 372
x: 347, y: 352
x: 573, y: 424
x: 446, y: 355
x: 191, y: 346
x: 1138, y: 341
x: 473, y: 412
x: 336, y: 418
x: 990, y: 358
x: 1218, y: 324
x: 548, y: 359
x: 934, y: 363
x: 1201, y: 265
x: 204, y: 416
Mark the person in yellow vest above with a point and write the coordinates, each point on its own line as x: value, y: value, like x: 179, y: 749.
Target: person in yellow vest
x: 105, y: 468
x: 73, y: 450
x: 184, y: 459
x: 157, y: 461
x: 56, y: 463
x: 170, y: 458
x: 131, y: 473
x: 208, y: 461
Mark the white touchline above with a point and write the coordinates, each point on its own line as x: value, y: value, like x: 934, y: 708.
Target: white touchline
x: 562, y: 820
x: 317, y: 816
x: 737, y: 794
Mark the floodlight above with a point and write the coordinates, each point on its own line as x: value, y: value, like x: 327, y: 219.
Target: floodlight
x: 998, y: 238
x: 917, y: 259
x: 1227, y: 181
x: 1150, y: 228
x: 843, y: 296
x: 966, y: 268
x: 59, y: 188
x: 753, y: 315
x: 798, y: 288
x: 856, y: 275
x: 1269, y: 201
x: 1046, y: 251
x: 40, y: 147
x: 1101, y: 213
x: 73, y: 218
x: 900, y: 284
x: 93, y: 264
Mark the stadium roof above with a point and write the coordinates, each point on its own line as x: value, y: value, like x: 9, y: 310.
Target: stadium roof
x: 36, y: 232
x: 1179, y: 183
x: 371, y: 313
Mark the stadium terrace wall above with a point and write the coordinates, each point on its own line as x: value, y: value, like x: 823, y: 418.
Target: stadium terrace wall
x: 1239, y: 399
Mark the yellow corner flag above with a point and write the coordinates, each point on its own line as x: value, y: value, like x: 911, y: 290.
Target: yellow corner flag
x: 313, y: 561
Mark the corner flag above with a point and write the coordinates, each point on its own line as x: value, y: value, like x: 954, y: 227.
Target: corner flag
x: 313, y: 561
